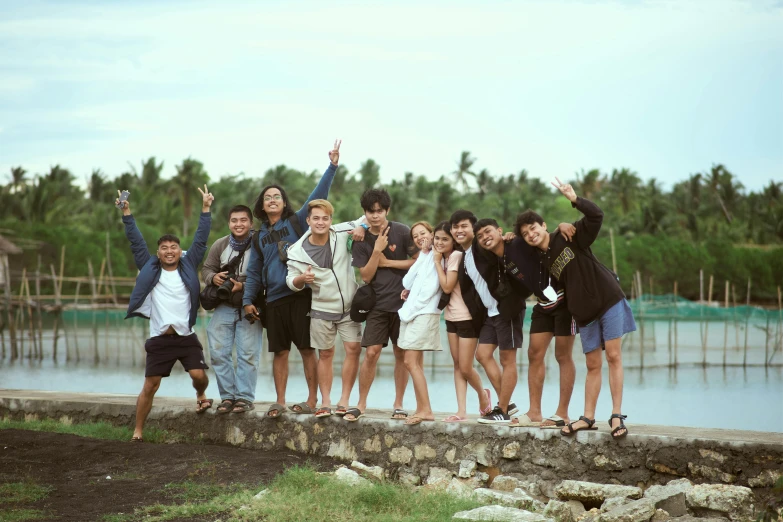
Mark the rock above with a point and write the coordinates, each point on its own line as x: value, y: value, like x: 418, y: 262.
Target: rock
x: 460, y: 487
x: 765, y: 479
x: 505, y: 483
x: 735, y: 501
x: 518, y: 499
x: 636, y: 511
x: 261, y: 494
x: 467, y: 468
x: 350, y: 476
x: 408, y: 478
x: 589, y: 516
x: 689, y: 518
x: 439, y: 477
x: 711, y: 473
x: 671, y: 497
x: 531, y: 487
x: 370, y: 472
x: 424, y: 452
x: 401, y: 455
x: 673, y: 486
x: 511, y: 450
x: 482, y: 477
x: 661, y: 515
x: 614, y: 503
x: 564, y: 511
x: 500, y: 514
x: 593, y: 493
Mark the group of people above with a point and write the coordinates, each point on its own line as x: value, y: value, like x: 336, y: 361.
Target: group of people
x: 295, y: 276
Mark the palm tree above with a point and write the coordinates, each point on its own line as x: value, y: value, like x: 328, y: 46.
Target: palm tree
x: 190, y: 176
x: 720, y: 183
x: 625, y: 187
x: 369, y: 173
x: 464, y: 165
x: 483, y: 179
x: 588, y: 184
x: 18, y: 179
x: 98, y: 188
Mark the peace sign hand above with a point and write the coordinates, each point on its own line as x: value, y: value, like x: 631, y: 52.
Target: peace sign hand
x: 566, y: 189
x: 334, y: 154
x: 206, y: 199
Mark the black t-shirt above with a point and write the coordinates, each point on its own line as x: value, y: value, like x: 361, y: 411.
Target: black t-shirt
x: 526, y: 268
x: 388, y: 281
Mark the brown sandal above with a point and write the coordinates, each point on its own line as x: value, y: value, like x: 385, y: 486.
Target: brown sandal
x: 200, y: 408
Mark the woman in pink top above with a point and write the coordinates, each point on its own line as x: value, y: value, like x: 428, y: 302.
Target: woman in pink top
x: 459, y: 327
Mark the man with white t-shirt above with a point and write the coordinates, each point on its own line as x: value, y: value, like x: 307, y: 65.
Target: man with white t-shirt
x: 167, y: 293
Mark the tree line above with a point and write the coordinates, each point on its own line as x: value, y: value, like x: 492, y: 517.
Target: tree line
x: 708, y: 221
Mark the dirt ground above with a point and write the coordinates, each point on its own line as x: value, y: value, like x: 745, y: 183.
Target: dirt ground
x: 77, y: 468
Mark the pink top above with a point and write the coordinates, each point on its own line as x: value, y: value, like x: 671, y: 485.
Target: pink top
x: 456, y: 310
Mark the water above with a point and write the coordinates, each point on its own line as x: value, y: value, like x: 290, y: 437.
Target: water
x: 111, y: 360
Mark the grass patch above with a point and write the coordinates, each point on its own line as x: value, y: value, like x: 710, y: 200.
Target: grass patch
x: 23, y: 492
x: 93, y: 430
x: 190, y: 491
x: 23, y: 515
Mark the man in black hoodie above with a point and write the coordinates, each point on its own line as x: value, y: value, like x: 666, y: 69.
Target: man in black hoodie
x: 595, y: 300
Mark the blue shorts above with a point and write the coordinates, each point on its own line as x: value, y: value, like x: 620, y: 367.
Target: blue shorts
x: 616, y: 322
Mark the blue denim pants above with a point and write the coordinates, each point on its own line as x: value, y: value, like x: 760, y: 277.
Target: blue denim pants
x: 223, y: 332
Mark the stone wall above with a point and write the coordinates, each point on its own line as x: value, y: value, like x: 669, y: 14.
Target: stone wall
x: 375, y: 440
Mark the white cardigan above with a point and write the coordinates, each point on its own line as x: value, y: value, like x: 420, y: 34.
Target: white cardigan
x: 422, y: 281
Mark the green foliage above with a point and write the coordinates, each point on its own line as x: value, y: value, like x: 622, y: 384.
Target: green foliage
x: 708, y: 221
x: 94, y: 430
x: 23, y: 515
x: 23, y: 492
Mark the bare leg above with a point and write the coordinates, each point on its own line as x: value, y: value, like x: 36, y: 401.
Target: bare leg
x: 400, y: 376
x: 564, y: 350
x: 200, y: 383
x: 508, y: 359
x: 467, y: 354
x: 460, y: 384
x: 350, y: 370
x: 539, y: 342
x: 310, y: 363
x: 144, y: 402
x: 614, y: 359
x: 325, y: 375
x: 413, y: 363
x: 367, y: 374
x: 485, y: 357
x: 280, y: 374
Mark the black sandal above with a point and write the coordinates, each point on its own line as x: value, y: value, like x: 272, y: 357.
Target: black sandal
x: 620, y: 427
x: 571, y: 430
x: 225, y: 406
x: 242, y: 405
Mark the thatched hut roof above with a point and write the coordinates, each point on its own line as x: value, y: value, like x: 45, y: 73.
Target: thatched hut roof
x: 8, y: 248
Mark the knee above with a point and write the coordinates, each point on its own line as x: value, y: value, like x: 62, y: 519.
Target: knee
x: 353, y: 350
x: 614, y: 358
x: 484, y: 358
x: 535, y: 355
x: 563, y: 357
x: 508, y: 359
x: 150, y: 387
x: 282, y: 356
x: 465, y: 369
x: 373, y: 354
x: 326, y: 355
x: 594, y: 363
x: 410, y: 363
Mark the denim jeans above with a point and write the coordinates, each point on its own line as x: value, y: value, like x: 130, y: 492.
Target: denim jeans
x: 223, y: 332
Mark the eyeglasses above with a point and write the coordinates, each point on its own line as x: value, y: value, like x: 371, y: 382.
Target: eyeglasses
x: 276, y: 197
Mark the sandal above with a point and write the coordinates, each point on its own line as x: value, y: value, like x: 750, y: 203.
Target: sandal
x: 137, y: 439
x: 323, y: 411
x: 200, y: 408
x: 340, y: 411
x: 356, y: 413
x: 242, y: 405
x: 226, y: 405
x: 301, y: 408
x: 557, y: 420
x: 571, y: 430
x: 277, y: 409
x: 455, y: 418
x: 416, y: 420
x: 488, y: 409
x: 399, y: 414
x: 620, y: 427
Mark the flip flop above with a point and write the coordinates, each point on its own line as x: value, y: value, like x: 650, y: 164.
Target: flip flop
x: 356, y: 413
x: 279, y: 408
x: 323, y: 411
x: 301, y: 408
x: 399, y: 412
x: 200, y: 408
x: 455, y: 418
x: 340, y: 411
x: 416, y: 420
x: 559, y: 422
x: 137, y: 439
x: 523, y: 421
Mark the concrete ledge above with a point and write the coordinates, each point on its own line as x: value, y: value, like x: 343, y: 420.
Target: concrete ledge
x: 649, y: 455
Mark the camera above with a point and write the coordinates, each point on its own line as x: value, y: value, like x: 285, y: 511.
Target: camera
x: 224, y: 290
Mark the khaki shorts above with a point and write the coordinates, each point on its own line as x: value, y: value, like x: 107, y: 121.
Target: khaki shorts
x: 323, y: 333
x: 423, y: 333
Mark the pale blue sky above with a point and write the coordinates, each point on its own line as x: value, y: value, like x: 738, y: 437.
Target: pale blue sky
x: 666, y: 88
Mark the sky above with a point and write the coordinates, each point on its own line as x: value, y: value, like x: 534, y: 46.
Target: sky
x: 665, y: 88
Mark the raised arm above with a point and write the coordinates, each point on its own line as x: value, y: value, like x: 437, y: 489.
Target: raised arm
x: 588, y: 227
x: 198, y: 248
x: 321, y: 191
x: 138, y: 246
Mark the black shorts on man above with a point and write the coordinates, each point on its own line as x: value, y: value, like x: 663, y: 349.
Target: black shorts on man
x: 164, y: 351
x: 288, y: 321
x: 380, y: 327
x: 559, y: 321
x: 506, y: 334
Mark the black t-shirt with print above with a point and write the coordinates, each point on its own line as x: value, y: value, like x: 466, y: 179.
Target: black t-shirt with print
x: 388, y: 281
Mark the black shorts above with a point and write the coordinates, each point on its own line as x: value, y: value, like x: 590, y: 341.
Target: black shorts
x: 379, y: 327
x: 463, y: 329
x: 558, y: 321
x: 164, y: 351
x: 506, y: 334
x: 288, y: 321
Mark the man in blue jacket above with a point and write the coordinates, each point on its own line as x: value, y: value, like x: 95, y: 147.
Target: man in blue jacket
x: 166, y: 293
x: 287, y: 313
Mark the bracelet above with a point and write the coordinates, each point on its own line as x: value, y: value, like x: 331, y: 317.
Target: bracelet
x: 365, y: 226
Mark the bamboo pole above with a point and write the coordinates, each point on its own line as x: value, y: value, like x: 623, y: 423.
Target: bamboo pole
x: 93, y: 290
x: 614, y: 256
x: 706, y: 325
x: 747, y: 323
x: 9, y: 312
x: 726, y: 325
x: 109, y: 268
x: 56, y: 326
x: 59, y: 294
x: 641, y: 319
x: 31, y: 318
x: 38, y: 307
x: 676, y: 343
x: 779, y: 333
x: 76, y: 324
x: 62, y: 269
x: 100, y: 277
x: 734, y: 314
